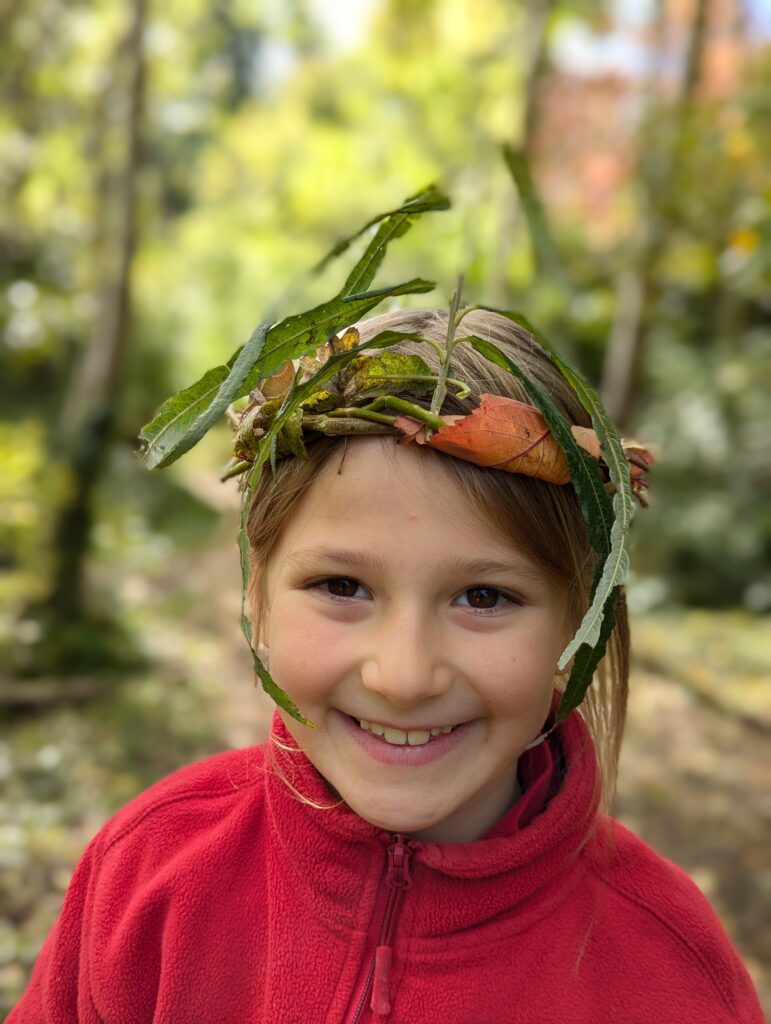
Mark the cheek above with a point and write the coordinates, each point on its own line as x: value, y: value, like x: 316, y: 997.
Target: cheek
x: 518, y: 680
x: 307, y: 658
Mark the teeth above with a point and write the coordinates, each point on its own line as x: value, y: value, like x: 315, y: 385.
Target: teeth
x: 398, y: 737
x: 395, y: 736
x: 416, y: 738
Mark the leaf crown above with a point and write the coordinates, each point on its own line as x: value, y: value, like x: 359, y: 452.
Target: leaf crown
x: 310, y: 375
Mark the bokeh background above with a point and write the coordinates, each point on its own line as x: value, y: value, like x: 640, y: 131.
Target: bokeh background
x: 168, y: 174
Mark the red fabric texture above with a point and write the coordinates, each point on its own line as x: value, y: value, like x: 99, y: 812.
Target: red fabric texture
x: 218, y: 897
x: 539, y: 779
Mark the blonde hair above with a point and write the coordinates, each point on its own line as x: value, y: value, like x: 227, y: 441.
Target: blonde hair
x: 543, y: 520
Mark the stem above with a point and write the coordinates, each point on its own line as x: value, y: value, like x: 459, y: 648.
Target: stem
x: 461, y: 314
x: 452, y: 322
x: 463, y: 390
x: 435, y: 346
x: 234, y: 468
x: 348, y: 426
x: 409, y: 409
x: 364, y: 413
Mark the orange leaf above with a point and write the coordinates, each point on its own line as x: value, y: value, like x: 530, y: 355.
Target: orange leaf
x: 504, y: 434
x: 500, y: 433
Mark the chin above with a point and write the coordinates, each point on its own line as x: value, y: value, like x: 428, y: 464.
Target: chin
x: 397, y: 821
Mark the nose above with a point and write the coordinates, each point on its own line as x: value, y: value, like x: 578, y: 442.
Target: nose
x: 406, y: 663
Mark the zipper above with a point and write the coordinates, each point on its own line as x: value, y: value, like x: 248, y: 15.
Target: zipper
x: 378, y: 978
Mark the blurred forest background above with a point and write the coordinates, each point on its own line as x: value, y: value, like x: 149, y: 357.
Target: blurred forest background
x: 169, y: 172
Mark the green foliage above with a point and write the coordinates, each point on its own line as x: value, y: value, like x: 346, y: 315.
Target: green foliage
x: 386, y: 375
x: 397, y: 223
x: 187, y: 416
x: 545, y: 253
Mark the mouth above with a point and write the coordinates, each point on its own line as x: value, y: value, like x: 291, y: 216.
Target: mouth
x: 401, y: 737
x: 408, y: 748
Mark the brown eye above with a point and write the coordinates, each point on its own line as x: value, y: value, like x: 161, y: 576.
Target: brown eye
x: 342, y: 586
x: 483, y: 598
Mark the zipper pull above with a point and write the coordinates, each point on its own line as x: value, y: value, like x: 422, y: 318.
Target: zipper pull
x: 399, y: 879
x: 398, y: 875
x: 381, y: 983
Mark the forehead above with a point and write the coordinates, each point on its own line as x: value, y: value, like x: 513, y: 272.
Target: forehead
x: 385, y: 497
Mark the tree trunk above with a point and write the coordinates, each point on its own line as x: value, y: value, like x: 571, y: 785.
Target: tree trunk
x: 536, y: 24
x: 90, y: 407
x: 636, y: 286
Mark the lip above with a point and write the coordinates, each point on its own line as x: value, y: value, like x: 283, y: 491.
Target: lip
x: 407, y: 756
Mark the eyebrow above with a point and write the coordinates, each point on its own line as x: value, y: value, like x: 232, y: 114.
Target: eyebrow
x: 352, y: 558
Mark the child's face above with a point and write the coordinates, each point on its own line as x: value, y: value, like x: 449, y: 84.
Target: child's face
x: 389, y: 600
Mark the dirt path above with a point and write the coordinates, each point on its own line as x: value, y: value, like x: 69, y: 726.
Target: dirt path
x: 696, y: 785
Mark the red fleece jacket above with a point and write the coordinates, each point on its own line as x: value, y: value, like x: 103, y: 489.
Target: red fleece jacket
x: 217, y: 897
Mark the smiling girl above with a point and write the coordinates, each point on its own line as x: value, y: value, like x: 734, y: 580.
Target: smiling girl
x: 421, y: 839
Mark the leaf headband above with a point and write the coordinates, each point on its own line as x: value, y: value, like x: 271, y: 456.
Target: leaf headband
x: 303, y: 381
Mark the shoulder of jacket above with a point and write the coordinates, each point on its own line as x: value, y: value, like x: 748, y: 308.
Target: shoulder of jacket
x: 675, y: 909
x: 640, y: 875
x: 223, y: 782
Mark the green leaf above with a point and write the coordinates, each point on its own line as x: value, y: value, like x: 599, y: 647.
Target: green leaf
x: 166, y: 444
x: 303, y: 333
x: 390, y: 373
x: 184, y: 418
x: 417, y: 284
x: 277, y: 694
x: 271, y: 688
x: 546, y: 255
x: 585, y: 474
x: 244, y: 555
x: 178, y: 413
x: 588, y: 645
x: 290, y: 440
x: 300, y: 393
x: 397, y: 222
x: 616, y: 567
x: 585, y: 662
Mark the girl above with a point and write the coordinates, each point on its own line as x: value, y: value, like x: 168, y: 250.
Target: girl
x: 418, y: 851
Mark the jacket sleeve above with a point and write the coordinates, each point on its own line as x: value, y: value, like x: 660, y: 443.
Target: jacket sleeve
x: 58, y: 989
